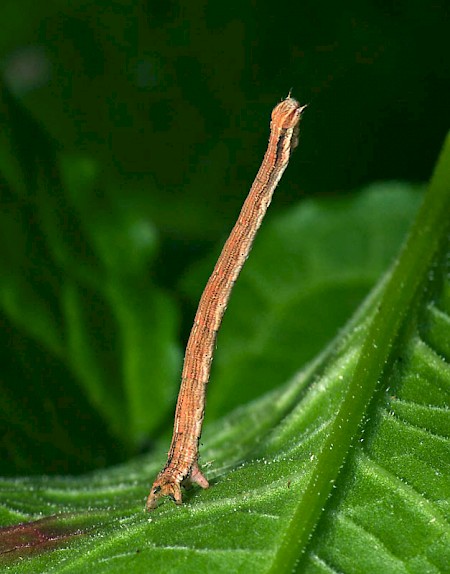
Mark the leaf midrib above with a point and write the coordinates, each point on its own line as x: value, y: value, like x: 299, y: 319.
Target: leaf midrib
x: 400, y: 289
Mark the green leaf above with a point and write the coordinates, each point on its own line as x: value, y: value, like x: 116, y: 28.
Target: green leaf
x: 345, y: 468
x: 308, y: 272
x: 142, y: 317
x: 87, y: 333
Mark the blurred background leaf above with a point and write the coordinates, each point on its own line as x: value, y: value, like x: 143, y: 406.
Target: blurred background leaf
x: 77, y: 293
x: 130, y: 133
x: 308, y: 270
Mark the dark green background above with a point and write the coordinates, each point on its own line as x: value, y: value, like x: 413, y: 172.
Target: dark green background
x: 172, y: 102
x: 174, y: 97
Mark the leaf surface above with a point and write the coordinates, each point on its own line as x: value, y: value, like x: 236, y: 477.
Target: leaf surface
x: 345, y: 468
